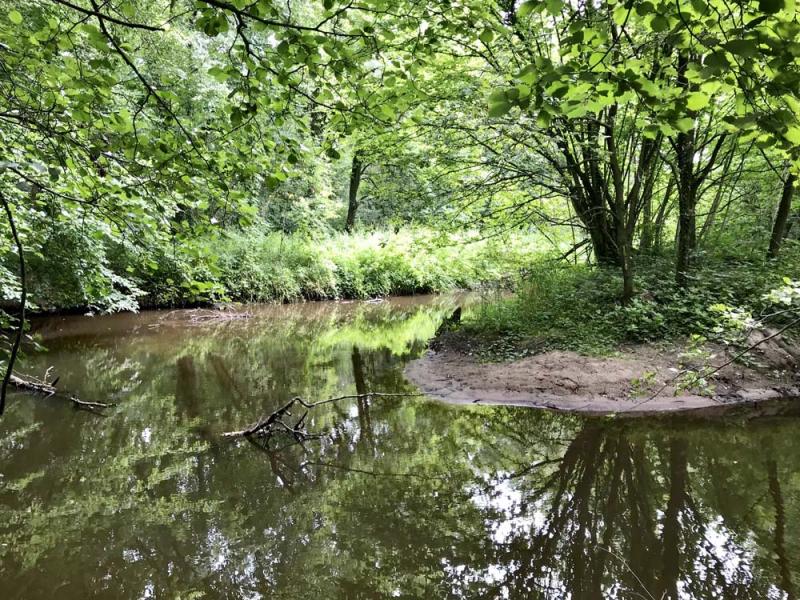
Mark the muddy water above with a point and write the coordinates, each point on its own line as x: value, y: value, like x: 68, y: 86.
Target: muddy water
x: 401, y: 499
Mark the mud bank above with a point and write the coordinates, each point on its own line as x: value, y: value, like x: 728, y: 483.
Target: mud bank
x: 641, y: 380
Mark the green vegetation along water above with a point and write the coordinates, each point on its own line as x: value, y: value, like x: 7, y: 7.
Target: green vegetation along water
x: 406, y: 498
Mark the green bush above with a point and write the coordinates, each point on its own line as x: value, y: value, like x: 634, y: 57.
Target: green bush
x: 560, y: 306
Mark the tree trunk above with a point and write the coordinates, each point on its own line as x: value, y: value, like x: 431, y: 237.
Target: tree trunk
x: 780, y: 228
x: 356, y: 171
x: 622, y: 241
x: 603, y: 242
x: 646, y: 235
x: 687, y: 221
x: 20, y: 328
x: 714, y: 208
x: 661, y: 217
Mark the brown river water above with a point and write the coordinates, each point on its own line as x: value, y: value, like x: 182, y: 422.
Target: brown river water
x: 400, y: 498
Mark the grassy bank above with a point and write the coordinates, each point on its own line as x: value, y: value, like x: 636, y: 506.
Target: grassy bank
x: 275, y: 267
x: 577, y: 307
x: 256, y: 267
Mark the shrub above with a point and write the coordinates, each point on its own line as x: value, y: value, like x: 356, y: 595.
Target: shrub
x: 578, y: 307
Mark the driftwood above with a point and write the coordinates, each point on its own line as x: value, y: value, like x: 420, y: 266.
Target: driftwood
x: 48, y: 389
x: 274, y: 422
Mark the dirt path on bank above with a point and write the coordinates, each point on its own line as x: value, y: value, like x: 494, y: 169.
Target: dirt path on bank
x: 641, y: 380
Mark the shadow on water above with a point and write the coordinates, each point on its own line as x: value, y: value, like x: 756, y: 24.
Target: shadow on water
x: 405, y: 498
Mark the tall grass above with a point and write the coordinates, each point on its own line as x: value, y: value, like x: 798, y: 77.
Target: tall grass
x: 275, y: 267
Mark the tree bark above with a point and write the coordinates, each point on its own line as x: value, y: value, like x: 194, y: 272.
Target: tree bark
x: 356, y: 171
x: 780, y: 227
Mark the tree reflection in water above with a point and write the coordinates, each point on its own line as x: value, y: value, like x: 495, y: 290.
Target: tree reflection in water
x: 403, y: 498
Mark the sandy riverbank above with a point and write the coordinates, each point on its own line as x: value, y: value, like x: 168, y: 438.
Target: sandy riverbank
x: 639, y: 380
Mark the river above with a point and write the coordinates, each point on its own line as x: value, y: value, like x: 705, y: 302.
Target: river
x: 400, y: 498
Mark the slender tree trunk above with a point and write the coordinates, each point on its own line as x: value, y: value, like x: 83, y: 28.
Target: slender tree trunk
x: 646, y: 235
x: 714, y: 208
x: 648, y: 225
x: 780, y: 228
x: 12, y: 357
x: 356, y: 171
x: 789, y: 225
x: 623, y: 240
x: 661, y: 217
x: 687, y: 222
x: 588, y: 201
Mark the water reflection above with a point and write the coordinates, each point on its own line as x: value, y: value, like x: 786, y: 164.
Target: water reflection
x: 405, y: 498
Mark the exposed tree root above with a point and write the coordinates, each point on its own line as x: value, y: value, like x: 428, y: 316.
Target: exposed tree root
x: 48, y: 389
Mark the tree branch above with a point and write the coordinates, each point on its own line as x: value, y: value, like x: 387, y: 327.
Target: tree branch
x: 23, y: 298
x: 96, y: 13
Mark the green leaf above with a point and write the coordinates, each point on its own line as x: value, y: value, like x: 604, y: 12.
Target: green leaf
x: 486, y: 36
x: 620, y: 15
x: 219, y: 74
x: 644, y: 8
x: 659, y: 23
x: 528, y: 74
x: 15, y: 17
x: 498, y: 109
x: 543, y: 119
x: 554, y: 6
x: 685, y: 124
x: 742, y: 47
x: 770, y: 6
x: 697, y: 101
x: 793, y: 135
x: 527, y: 8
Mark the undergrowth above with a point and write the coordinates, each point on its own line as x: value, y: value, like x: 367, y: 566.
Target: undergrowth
x: 252, y: 266
x: 577, y: 307
x: 281, y: 268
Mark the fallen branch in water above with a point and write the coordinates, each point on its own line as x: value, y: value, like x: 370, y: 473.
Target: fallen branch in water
x: 274, y: 423
x: 48, y: 390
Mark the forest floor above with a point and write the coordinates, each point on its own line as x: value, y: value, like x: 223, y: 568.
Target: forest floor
x: 636, y: 380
